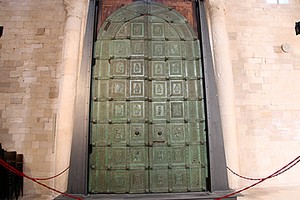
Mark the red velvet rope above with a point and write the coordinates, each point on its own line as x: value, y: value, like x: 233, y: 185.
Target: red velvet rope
x: 260, y: 180
x: 278, y: 172
x: 52, y: 177
x: 15, y: 171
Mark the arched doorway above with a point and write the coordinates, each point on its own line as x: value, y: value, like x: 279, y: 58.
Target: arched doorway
x: 147, y: 127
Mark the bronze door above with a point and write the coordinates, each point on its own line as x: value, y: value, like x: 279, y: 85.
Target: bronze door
x: 147, y: 115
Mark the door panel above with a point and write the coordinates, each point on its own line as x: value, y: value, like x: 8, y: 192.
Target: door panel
x: 147, y: 114
x: 118, y: 111
x: 195, y: 179
x: 159, y: 155
x: 118, y: 181
x: 139, y: 181
x: 118, y: 157
x: 159, y: 133
x: 138, y: 134
x: 138, y: 157
x: 179, y: 180
x: 119, y: 68
x: 118, y: 134
x: 137, y: 111
x: 159, y: 180
x: 158, y: 70
x: 178, y: 134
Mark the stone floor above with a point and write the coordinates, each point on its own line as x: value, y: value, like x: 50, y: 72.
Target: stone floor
x: 160, y: 196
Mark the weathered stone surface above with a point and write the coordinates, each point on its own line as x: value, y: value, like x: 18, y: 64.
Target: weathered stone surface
x: 31, y: 48
x: 266, y: 83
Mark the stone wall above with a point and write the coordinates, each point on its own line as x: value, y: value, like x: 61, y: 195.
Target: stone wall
x: 30, y: 50
x: 267, y: 92
x: 266, y: 87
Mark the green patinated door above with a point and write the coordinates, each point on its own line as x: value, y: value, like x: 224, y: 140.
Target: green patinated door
x: 147, y: 117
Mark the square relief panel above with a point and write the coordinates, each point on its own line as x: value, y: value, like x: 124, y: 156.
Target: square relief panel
x: 179, y: 180
x: 119, y: 111
x: 119, y: 67
x: 176, y: 68
x: 120, y: 48
x: 177, y: 133
x: 178, y: 155
x: 137, y: 67
x: 159, y: 180
x: 159, y: 111
x: 137, y: 134
x: 176, y: 88
x: 159, y: 134
x: 177, y: 110
x: 174, y: 49
x: 137, y: 47
x: 158, y: 69
x: 117, y: 133
x: 159, y: 156
x: 137, y: 29
x: 157, y: 30
x: 137, y: 110
x: 138, y: 157
x: 159, y: 89
x: 158, y: 49
x: 118, y: 157
x: 136, y: 88
x: 118, y: 89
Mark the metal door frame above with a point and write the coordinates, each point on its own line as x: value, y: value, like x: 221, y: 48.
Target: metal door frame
x: 78, y: 174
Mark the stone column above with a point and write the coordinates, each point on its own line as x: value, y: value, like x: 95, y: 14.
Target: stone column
x: 75, y: 10
x: 225, y: 87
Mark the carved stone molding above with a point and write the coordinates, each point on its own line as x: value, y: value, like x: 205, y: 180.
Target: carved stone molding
x: 216, y: 7
x: 75, y: 7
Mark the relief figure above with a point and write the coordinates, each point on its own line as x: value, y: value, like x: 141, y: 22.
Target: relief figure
x: 137, y: 110
x: 119, y: 88
x: 120, y: 68
x: 158, y: 69
x: 176, y: 88
x: 159, y: 89
x: 160, y: 155
x: 137, y: 156
x: 138, y: 179
x: 137, y: 88
x: 118, y: 134
x: 158, y: 48
x: 157, y: 31
x: 137, y: 29
x: 175, y: 68
x: 159, y: 111
x: 177, y: 131
x: 160, y: 179
x: 120, y: 48
x: 178, y: 179
x: 174, y: 49
x: 177, y: 110
x: 137, y: 47
x: 137, y: 68
x: 119, y: 111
